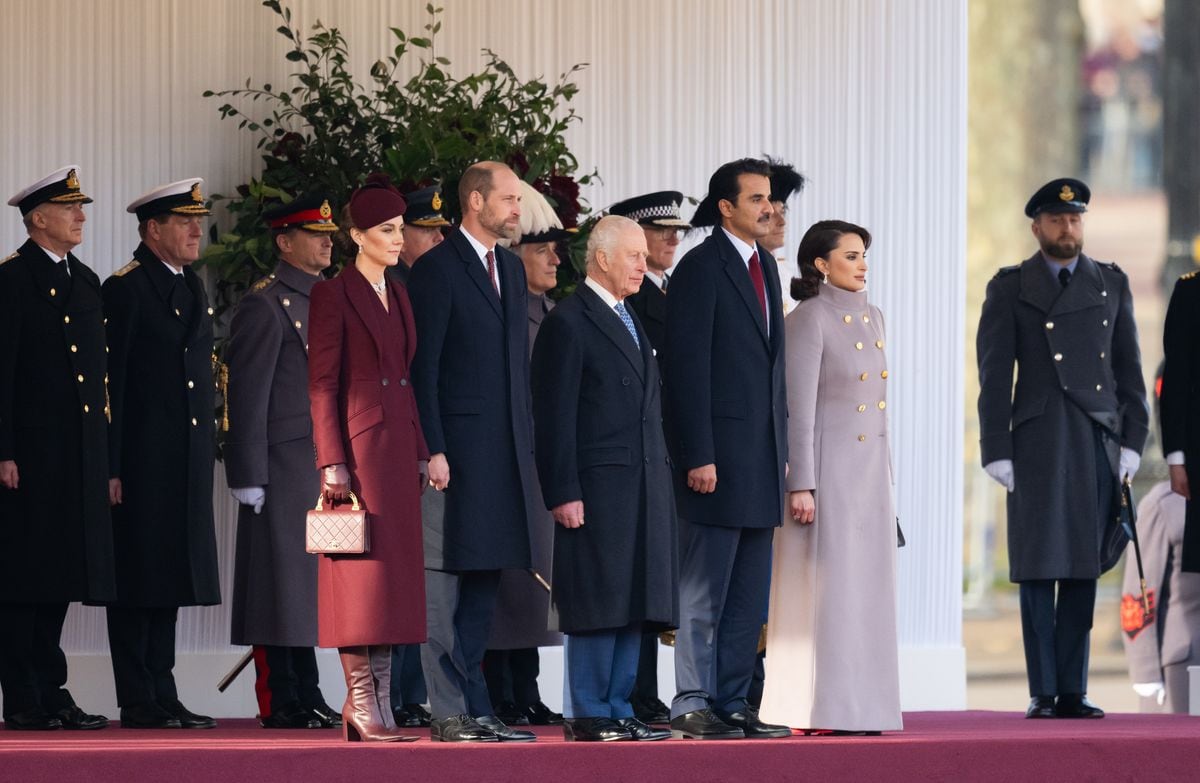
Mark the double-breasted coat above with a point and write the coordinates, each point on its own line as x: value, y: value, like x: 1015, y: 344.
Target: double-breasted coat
x: 365, y: 417
x: 471, y: 372
x: 522, y: 603
x: 270, y: 445
x: 53, y: 424
x: 1180, y: 401
x: 162, y: 440
x: 1078, y: 368
x: 598, y: 425
x: 726, y: 398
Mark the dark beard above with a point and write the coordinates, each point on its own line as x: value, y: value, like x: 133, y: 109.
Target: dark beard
x: 1066, y: 249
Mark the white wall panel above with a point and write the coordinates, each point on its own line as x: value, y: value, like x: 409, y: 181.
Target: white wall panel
x: 867, y: 97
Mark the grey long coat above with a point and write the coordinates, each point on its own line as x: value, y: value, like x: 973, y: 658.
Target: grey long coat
x: 270, y: 444
x: 1079, y: 367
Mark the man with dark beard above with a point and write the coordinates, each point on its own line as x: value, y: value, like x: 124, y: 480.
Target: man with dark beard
x: 1062, y: 441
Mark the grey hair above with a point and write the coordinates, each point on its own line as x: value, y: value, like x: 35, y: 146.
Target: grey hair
x: 605, y: 236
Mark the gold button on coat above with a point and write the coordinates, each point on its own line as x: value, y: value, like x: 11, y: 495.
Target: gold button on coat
x: 882, y: 404
x: 86, y: 409
x: 298, y: 324
x: 862, y: 377
x: 858, y: 346
x: 177, y: 311
x: 79, y: 377
x: 862, y: 408
x: 862, y: 438
x: 1058, y: 357
x: 191, y: 385
x: 53, y: 292
x: 846, y: 318
x: 194, y: 421
x: 66, y: 319
x: 883, y: 374
x: 287, y: 302
x: 866, y: 319
x: 74, y: 349
x: 210, y: 311
x: 1049, y: 324
x: 879, y: 343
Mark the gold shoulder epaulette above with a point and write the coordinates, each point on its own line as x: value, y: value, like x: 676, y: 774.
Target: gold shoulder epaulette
x: 1185, y: 276
x: 132, y: 265
x: 261, y: 284
x: 6, y: 259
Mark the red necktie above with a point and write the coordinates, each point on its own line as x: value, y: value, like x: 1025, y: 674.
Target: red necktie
x: 756, y: 278
x: 491, y: 261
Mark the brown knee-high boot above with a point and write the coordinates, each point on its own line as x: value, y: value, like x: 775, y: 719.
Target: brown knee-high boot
x: 381, y: 671
x: 361, y: 720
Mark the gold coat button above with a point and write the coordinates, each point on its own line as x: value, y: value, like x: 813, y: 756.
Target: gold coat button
x: 86, y: 409
x: 53, y: 292
x: 846, y: 318
x: 176, y: 311
x: 858, y: 346
x: 193, y: 421
x: 287, y: 302
x: 883, y: 374
x: 79, y: 377
x: 862, y: 438
x: 862, y: 408
x: 882, y: 404
x: 862, y: 377
x: 191, y: 385
x: 1049, y: 324
x: 74, y: 349
x: 1058, y: 357
x: 866, y: 319
x: 210, y: 311
x: 879, y: 343
x: 298, y: 324
x: 66, y: 319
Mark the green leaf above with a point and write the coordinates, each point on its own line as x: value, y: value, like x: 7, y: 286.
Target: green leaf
x: 421, y: 42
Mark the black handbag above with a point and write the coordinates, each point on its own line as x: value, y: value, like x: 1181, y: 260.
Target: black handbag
x: 1115, y: 536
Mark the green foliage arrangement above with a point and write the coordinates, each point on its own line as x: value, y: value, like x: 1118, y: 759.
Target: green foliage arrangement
x: 325, y: 131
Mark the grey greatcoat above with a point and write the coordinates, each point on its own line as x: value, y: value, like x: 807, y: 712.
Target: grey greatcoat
x: 1079, y: 367
x: 270, y: 445
x: 522, y: 605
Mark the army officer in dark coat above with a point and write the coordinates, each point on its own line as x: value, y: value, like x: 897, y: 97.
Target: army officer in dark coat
x: 268, y: 461
x: 602, y: 460
x: 53, y: 453
x: 1076, y: 422
x: 161, y: 451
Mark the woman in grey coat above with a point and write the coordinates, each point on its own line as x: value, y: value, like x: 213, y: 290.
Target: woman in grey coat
x: 833, y: 664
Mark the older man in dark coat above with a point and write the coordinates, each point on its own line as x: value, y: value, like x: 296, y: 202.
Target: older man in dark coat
x: 471, y: 378
x: 605, y: 477
x: 268, y: 462
x: 53, y: 454
x: 1075, y: 424
x: 161, y: 452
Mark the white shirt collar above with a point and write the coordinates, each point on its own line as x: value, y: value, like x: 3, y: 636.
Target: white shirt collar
x: 55, y: 259
x: 602, y: 292
x: 481, y: 249
x: 744, y: 250
x: 655, y: 278
x: 173, y: 270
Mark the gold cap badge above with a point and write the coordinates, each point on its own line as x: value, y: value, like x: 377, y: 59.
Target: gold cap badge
x: 72, y: 180
x: 436, y: 203
x: 1066, y: 194
x: 196, y: 193
x: 326, y: 212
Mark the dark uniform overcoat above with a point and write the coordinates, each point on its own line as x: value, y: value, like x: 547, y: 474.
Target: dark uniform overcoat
x: 270, y: 445
x: 1181, y: 399
x: 1078, y: 366
x: 161, y: 444
x: 57, y: 529
x: 598, y: 425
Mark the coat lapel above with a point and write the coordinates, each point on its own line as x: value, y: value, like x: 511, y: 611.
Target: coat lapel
x: 610, y: 324
x: 736, y: 269
x: 475, y: 271
x: 364, y: 301
x: 406, y: 313
x: 42, y: 270
x: 1085, y: 290
x: 1038, y: 288
x: 201, y: 299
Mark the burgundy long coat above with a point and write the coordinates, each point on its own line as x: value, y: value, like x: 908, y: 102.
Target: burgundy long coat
x: 365, y: 416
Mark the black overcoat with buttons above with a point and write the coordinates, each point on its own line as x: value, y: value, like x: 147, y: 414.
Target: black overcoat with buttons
x: 1078, y: 366
x: 57, y: 529
x: 161, y: 443
x: 599, y: 439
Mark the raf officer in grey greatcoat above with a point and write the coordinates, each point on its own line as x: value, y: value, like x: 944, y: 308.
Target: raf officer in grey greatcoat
x: 1075, y: 424
x: 268, y: 461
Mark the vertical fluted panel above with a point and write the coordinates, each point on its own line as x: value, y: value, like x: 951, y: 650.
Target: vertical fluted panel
x: 867, y: 97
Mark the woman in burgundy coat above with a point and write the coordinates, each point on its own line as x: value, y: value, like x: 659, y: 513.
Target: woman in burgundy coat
x: 369, y: 442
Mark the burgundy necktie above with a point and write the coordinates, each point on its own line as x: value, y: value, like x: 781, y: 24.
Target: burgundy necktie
x: 491, y: 261
x: 756, y: 277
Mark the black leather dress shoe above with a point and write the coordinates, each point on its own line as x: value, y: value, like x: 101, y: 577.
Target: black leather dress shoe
x: 1076, y: 706
x: 641, y: 732
x: 497, y: 727
x: 292, y: 716
x: 328, y: 716
x: 510, y: 714
x: 147, y: 716
x: 705, y: 725
x: 187, y: 718
x: 653, y: 711
x: 74, y: 718
x: 539, y: 714
x: 32, y: 720
x: 1040, y: 707
x: 752, y: 727
x: 594, y: 730
x: 459, y: 728
x: 417, y: 713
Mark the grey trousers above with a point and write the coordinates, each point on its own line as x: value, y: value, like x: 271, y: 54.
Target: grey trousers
x: 459, y: 608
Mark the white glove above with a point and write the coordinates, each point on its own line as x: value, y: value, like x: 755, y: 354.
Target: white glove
x: 1151, y: 690
x: 1130, y: 460
x: 250, y: 496
x: 1001, y: 472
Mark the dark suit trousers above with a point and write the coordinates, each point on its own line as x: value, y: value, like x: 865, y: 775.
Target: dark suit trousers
x: 724, y: 578
x: 408, y: 681
x: 645, y: 689
x: 511, y: 676
x: 142, y: 642
x: 601, y: 668
x: 33, y: 668
x: 285, y: 676
x: 459, y: 618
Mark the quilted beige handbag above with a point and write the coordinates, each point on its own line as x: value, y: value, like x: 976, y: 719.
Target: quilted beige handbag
x: 337, y: 531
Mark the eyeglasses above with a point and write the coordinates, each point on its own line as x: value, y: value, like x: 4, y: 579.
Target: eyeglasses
x: 665, y: 234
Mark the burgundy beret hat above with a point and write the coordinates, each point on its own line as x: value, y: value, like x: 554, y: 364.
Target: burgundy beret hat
x: 375, y: 202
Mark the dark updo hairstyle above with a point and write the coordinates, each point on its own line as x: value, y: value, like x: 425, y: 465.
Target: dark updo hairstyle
x: 346, y: 246
x: 819, y: 241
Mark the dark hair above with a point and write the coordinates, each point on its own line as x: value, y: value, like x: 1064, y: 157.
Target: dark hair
x: 821, y: 238
x: 346, y: 246
x: 723, y: 184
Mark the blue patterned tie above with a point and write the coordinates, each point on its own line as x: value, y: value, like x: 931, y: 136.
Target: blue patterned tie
x: 628, y: 321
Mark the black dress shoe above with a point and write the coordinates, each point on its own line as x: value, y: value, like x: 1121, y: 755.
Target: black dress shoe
x: 187, y: 718
x: 32, y: 720
x: 538, y: 714
x: 292, y: 716
x: 418, y: 713
x: 652, y: 711
x: 74, y: 718
x: 641, y: 732
x: 1076, y: 706
x: 497, y: 727
x: 510, y: 714
x: 705, y: 725
x: 328, y: 716
x: 147, y: 716
x: 1040, y: 707
x: 747, y: 720
x: 594, y: 730
x: 459, y: 728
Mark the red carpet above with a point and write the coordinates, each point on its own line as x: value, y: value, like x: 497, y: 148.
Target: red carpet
x: 935, y: 746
